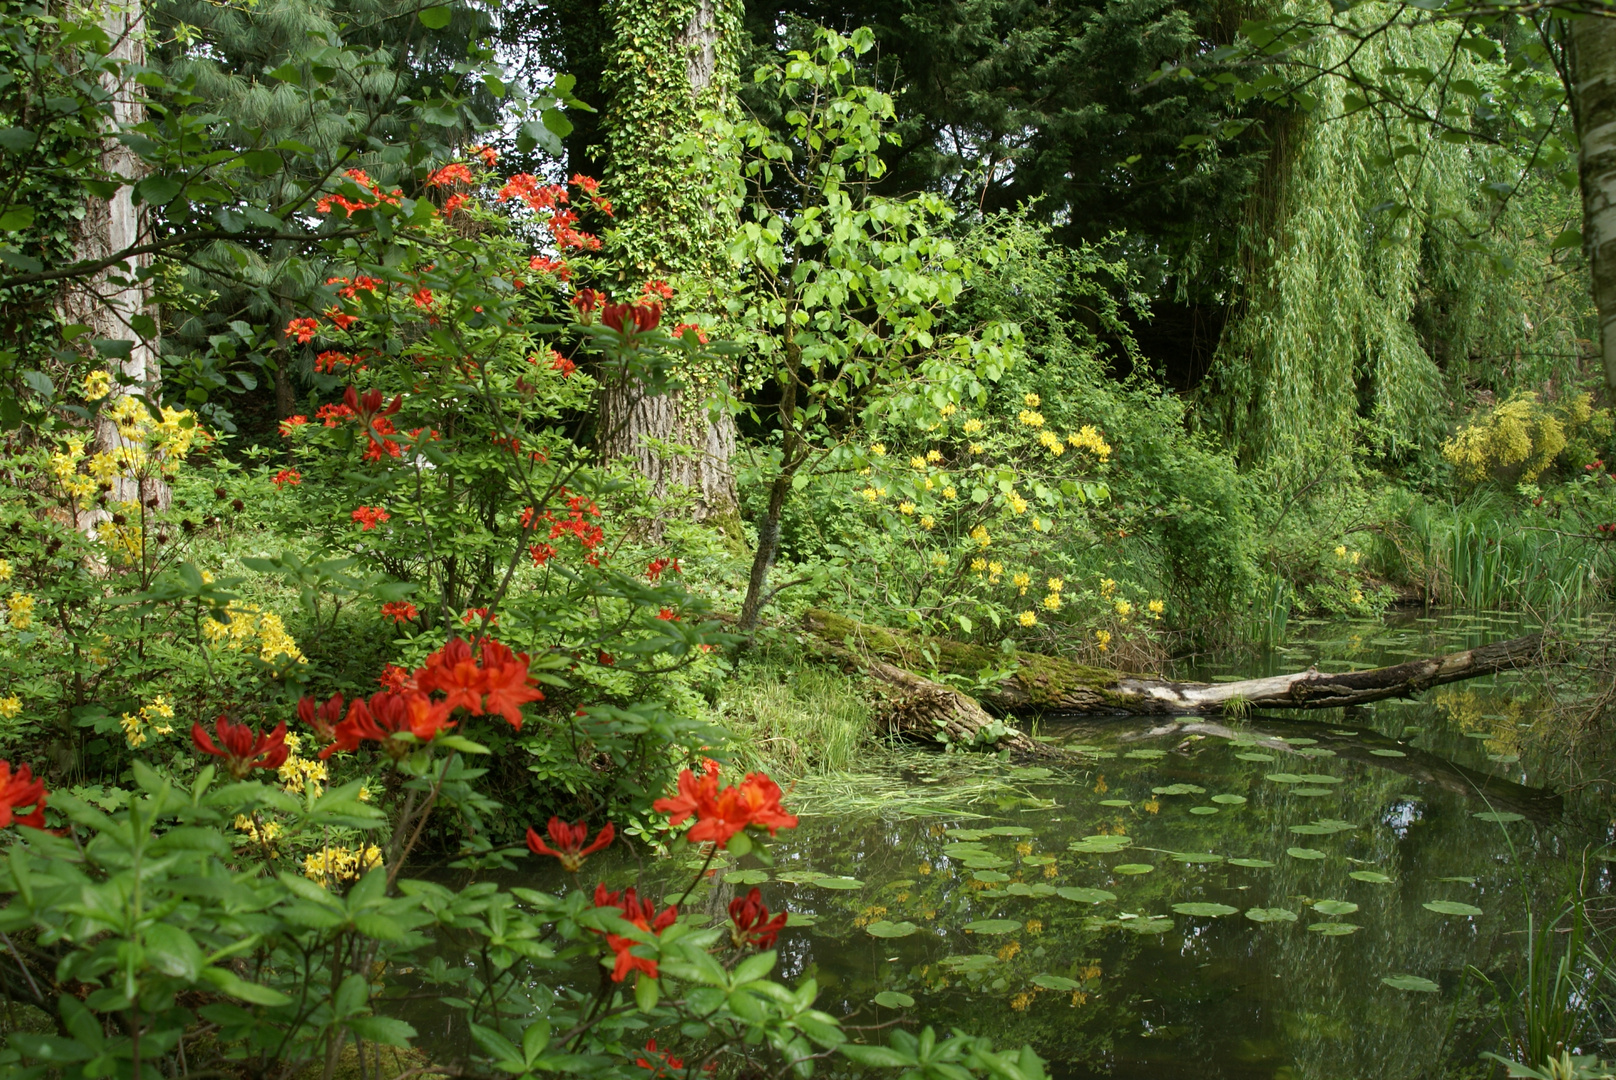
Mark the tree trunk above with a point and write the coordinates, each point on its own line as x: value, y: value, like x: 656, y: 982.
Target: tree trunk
x: 668, y: 61
x: 1593, y: 41
x: 109, y: 301
x: 1048, y: 684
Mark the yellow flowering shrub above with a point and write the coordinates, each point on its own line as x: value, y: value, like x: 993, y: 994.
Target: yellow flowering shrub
x: 1521, y: 438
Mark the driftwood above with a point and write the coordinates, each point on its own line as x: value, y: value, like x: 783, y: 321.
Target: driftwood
x: 1045, y: 684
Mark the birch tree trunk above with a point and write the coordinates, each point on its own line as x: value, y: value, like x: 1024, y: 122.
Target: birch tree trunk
x: 109, y: 301
x: 669, y: 61
x: 1593, y: 41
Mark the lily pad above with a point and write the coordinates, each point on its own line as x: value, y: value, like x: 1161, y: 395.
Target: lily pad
x: 1498, y: 816
x: 1203, y: 811
x: 969, y: 963
x: 1410, y: 982
x: 1373, y: 877
x: 892, y: 999
x: 1010, y: 830
x: 1451, y: 907
x: 1323, y: 827
x: 1204, y: 857
x: 1085, y: 896
x: 1348, y: 734
x: 1251, y: 756
x: 840, y: 883
x: 1335, y: 907
x: 1381, y: 751
x: 1270, y: 914
x: 1149, y: 924
x: 993, y: 926
x: 1178, y: 789
x: 1286, y: 778
x: 1145, y: 755
x: 1315, y: 752
x: 1206, y: 910
x: 1099, y: 845
x: 1115, y: 803
x: 1021, y: 888
x: 1037, y: 860
x: 747, y: 877
x: 1459, y: 880
x: 989, y: 875
x: 801, y: 918
x: 968, y: 834
x: 1230, y: 800
x: 1334, y: 929
x: 884, y: 929
x: 1302, y: 742
x: 802, y: 877
x: 1305, y: 853
x: 1133, y: 868
x: 1252, y: 864
x: 1056, y: 982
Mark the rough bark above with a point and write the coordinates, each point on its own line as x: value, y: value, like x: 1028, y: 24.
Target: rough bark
x: 675, y: 441
x: 109, y: 300
x: 1593, y: 40
x: 1049, y: 685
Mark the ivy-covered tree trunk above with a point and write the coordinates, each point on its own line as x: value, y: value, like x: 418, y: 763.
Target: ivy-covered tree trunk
x: 670, y: 78
x: 1594, y: 58
x: 116, y: 303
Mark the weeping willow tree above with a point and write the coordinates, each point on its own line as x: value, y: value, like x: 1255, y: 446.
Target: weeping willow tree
x: 1377, y: 273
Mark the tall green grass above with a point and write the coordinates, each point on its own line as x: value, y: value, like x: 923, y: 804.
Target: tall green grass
x: 792, y: 720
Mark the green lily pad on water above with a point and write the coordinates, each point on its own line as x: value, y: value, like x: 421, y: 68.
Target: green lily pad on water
x: 1250, y: 756
x: 1056, y: 982
x: 990, y: 875
x: 1115, y: 803
x: 1179, y: 789
x: 1203, y: 857
x: 969, y: 963
x: 1099, y: 845
x: 801, y: 877
x: 1301, y: 742
x: 1381, y: 751
x: 1373, y: 877
x: 747, y: 877
x: 1205, y: 910
x: 892, y: 999
x: 1009, y: 830
x: 1315, y: 752
x: 1252, y: 864
x: 968, y: 835
x: 1021, y: 888
x: 1334, y: 929
x: 1334, y: 907
x: 1451, y: 907
x: 1499, y: 817
x: 1410, y: 982
x: 1459, y: 880
x: 1305, y: 853
x: 884, y: 929
x: 1131, y: 869
x: 1348, y: 734
x: 1323, y: 827
x: 992, y: 926
x: 1303, y: 778
x: 1148, y: 924
x: 1085, y: 896
x: 839, y: 883
x: 800, y: 918
x: 1270, y: 914
x: 1230, y: 800
x: 1037, y: 860
x: 1203, y: 811
x: 1145, y: 755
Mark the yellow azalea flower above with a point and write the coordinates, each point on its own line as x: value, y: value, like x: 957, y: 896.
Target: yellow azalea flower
x: 1124, y: 609
x: 928, y: 522
x: 1031, y: 419
x: 870, y: 494
x: 1053, y: 601
x: 96, y: 385
x: 949, y: 492
x: 1103, y: 639
x: 1035, y: 926
x: 1089, y: 439
x: 939, y: 560
x: 21, y: 610
x: 906, y: 508
x: 1107, y: 586
x: 972, y: 426
x: 980, y: 535
x: 1357, y: 596
x: 934, y: 456
x: 976, y: 448
x: 1027, y: 618
x: 1017, y: 503
x: 878, y: 449
x: 1354, y: 557
x: 1055, y: 584
x: 1021, y: 580
x: 1341, y: 551
x: 1156, y: 607
x: 1040, y: 524
x: 995, y: 568
x: 948, y: 410
x: 10, y: 707
x: 5, y: 571
x: 917, y: 462
x: 978, y: 565
x: 1032, y: 400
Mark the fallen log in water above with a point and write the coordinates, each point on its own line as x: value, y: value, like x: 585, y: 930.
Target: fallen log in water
x: 1042, y: 684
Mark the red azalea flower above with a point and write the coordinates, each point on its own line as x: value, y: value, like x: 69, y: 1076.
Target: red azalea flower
x: 422, y: 297
x: 640, y: 913
x: 385, y: 715
x: 586, y: 301
x: 477, y: 614
x: 454, y: 671
x: 680, y: 330
x: 373, y: 415
x: 338, y: 319
x: 665, y: 1065
x: 400, y: 611
x: 20, y: 789
x: 562, y: 364
x: 369, y: 517
x: 654, y: 571
x: 632, y: 318
x: 542, y: 553
x: 322, y: 718
x: 751, y: 924
x: 604, y: 658
x: 396, y: 678
x: 302, y: 329
x: 588, y: 184
x: 721, y: 812
x: 292, y: 423
x: 449, y: 175
x: 287, y: 476
x: 488, y: 154
x: 507, y: 683
x: 657, y: 288
x: 241, y: 746
x: 569, y: 842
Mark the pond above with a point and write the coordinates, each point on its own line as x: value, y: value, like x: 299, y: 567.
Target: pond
x: 1268, y: 897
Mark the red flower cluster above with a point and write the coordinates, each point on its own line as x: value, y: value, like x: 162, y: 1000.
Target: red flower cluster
x: 242, y: 748
x: 657, y: 288
x: 332, y: 414
x: 562, y: 364
x: 587, y: 184
x: 720, y: 811
x: 377, y: 720
x: 338, y: 319
x: 400, y: 611
x: 643, y: 915
x: 586, y: 301
x: 352, y: 287
x: 373, y: 417
x: 750, y: 922
x: 292, y: 423
x: 393, y: 677
x: 654, y: 571
x: 667, y: 615
x: 303, y: 330
x: 478, y: 614
x: 359, y: 177
x: 20, y: 789
x: 287, y: 476
x: 538, y: 195
x: 546, y: 265
x: 455, y: 202
x: 422, y: 298
x: 369, y: 517
x: 686, y: 327
x: 488, y: 154
x: 569, y: 842
x: 542, y: 553
x: 450, y: 175
x: 632, y: 318
x: 665, y: 1063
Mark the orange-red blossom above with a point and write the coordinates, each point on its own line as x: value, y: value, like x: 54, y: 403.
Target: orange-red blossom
x: 720, y: 811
